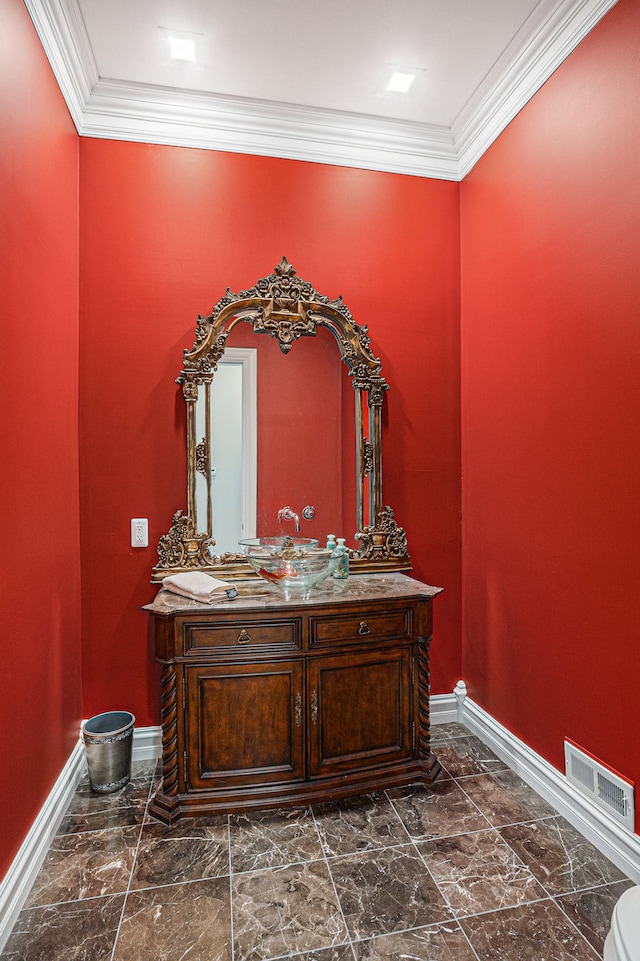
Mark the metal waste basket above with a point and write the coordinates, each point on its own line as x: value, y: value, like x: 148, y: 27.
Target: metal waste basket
x: 108, y: 742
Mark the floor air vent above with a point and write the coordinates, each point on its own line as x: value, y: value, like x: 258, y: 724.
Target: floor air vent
x: 609, y: 791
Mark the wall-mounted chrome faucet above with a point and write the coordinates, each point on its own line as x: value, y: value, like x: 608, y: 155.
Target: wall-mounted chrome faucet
x: 287, y: 514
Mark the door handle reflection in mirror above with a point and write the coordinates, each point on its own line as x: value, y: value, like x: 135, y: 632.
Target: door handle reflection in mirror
x: 364, y: 628
x: 243, y: 637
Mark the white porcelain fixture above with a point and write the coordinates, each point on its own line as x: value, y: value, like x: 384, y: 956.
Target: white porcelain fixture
x: 623, y: 941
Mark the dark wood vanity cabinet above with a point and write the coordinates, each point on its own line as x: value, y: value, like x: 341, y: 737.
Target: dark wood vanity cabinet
x: 269, y: 702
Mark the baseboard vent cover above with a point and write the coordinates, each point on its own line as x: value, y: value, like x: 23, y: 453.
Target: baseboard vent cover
x: 608, y: 790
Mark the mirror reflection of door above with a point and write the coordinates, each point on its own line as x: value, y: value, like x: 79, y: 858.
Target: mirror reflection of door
x: 233, y: 412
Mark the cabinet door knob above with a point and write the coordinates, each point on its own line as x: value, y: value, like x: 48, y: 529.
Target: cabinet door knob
x: 314, y: 706
x: 243, y: 637
x: 298, y: 710
x: 364, y: 628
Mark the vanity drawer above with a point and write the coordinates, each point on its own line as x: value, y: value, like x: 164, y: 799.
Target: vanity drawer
x: 335, y: 629
x: 242, y: 635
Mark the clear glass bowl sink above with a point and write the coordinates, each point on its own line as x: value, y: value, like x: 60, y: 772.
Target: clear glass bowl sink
x: 292, y: 564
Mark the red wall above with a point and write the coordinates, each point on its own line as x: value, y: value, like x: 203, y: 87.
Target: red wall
x: 164, y: 231
x: 40, y: 706
x: 551, y: 409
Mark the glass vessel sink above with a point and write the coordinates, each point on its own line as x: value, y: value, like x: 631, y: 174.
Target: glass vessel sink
x: 292, y: 564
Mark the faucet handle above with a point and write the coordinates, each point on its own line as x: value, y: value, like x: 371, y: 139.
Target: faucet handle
x: 287, y: 514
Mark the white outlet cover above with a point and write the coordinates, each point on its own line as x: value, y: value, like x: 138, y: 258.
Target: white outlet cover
x: 139, y: 532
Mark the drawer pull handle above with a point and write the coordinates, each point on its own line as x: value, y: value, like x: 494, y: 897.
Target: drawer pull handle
x: 364, y: 628
x: 314, y: 706
x: 298, y: 710
x: 243, y: 637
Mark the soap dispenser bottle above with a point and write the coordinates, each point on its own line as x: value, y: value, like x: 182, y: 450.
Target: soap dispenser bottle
x: 342, y: 568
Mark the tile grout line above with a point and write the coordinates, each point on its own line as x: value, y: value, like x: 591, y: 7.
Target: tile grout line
x: 438, y: 888
x: 333, y: 885
x: 133, y: 863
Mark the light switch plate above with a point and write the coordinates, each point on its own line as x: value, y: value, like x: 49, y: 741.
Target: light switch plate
x: 139, y: 532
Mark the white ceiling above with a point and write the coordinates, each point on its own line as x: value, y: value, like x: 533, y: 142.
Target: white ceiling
x: 303, y: 79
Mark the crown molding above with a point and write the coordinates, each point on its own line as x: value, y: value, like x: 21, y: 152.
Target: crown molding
x: 150, y: 114
x: 62, y: 33
x: 239, y: 125
x: 545, y: 40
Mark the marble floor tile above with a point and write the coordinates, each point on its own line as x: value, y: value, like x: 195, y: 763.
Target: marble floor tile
x: 504, y: 798
x: 532, y: 932
x: 443, y: 733
x: 559, y: 856
x: 191, y: 850
x: 442, y: 942
x: 86, y: 801
x: 476, y: 872
x: 176, y: 922
x: 265, y: 839
x: 92, y: 811
x: 75, y: 931
x: 359, y: 824
x: 591, y: 910
x: 85, y: 866
x: 115, y: 816
x: 468, y: 755
x: 285, y: 910
x: 436, y: 810
x: 386, y: 890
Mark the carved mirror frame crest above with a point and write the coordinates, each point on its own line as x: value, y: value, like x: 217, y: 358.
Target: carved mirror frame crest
x: 287, y: 308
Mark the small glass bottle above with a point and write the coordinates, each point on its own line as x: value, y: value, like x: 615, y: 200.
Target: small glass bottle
x: 331, y: 542
x: 342, y: 569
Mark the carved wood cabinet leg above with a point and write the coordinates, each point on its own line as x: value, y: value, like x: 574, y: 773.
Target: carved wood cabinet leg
x: 164, y: 805
x: 430, y: 763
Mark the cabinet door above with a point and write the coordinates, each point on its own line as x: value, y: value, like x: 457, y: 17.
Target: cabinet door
x: 359, y: 710
x: 244, y: 724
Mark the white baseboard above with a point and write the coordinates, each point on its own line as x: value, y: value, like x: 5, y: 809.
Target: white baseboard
x: 443, y: 709
x: 16, y: 885
x: 147, y: 743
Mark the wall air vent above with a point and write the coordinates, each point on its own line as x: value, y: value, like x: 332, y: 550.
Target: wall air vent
x: 608, y: 790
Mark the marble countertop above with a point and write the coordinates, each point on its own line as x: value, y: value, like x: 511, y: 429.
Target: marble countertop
x: 258, y: 595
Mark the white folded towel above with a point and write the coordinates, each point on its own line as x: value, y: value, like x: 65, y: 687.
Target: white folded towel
x: 199, y: 587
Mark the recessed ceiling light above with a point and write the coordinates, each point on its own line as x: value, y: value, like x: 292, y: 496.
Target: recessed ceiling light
x: 182, y: 49
x: 400, y: 82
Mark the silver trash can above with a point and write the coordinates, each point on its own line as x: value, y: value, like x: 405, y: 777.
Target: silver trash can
x: 108, y: 743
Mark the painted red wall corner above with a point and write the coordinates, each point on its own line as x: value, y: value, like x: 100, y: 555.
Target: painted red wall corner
x: 551, y: 409
x: 40, y: 707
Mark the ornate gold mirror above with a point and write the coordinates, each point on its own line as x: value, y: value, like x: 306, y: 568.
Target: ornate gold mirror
x: 287, y: 308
